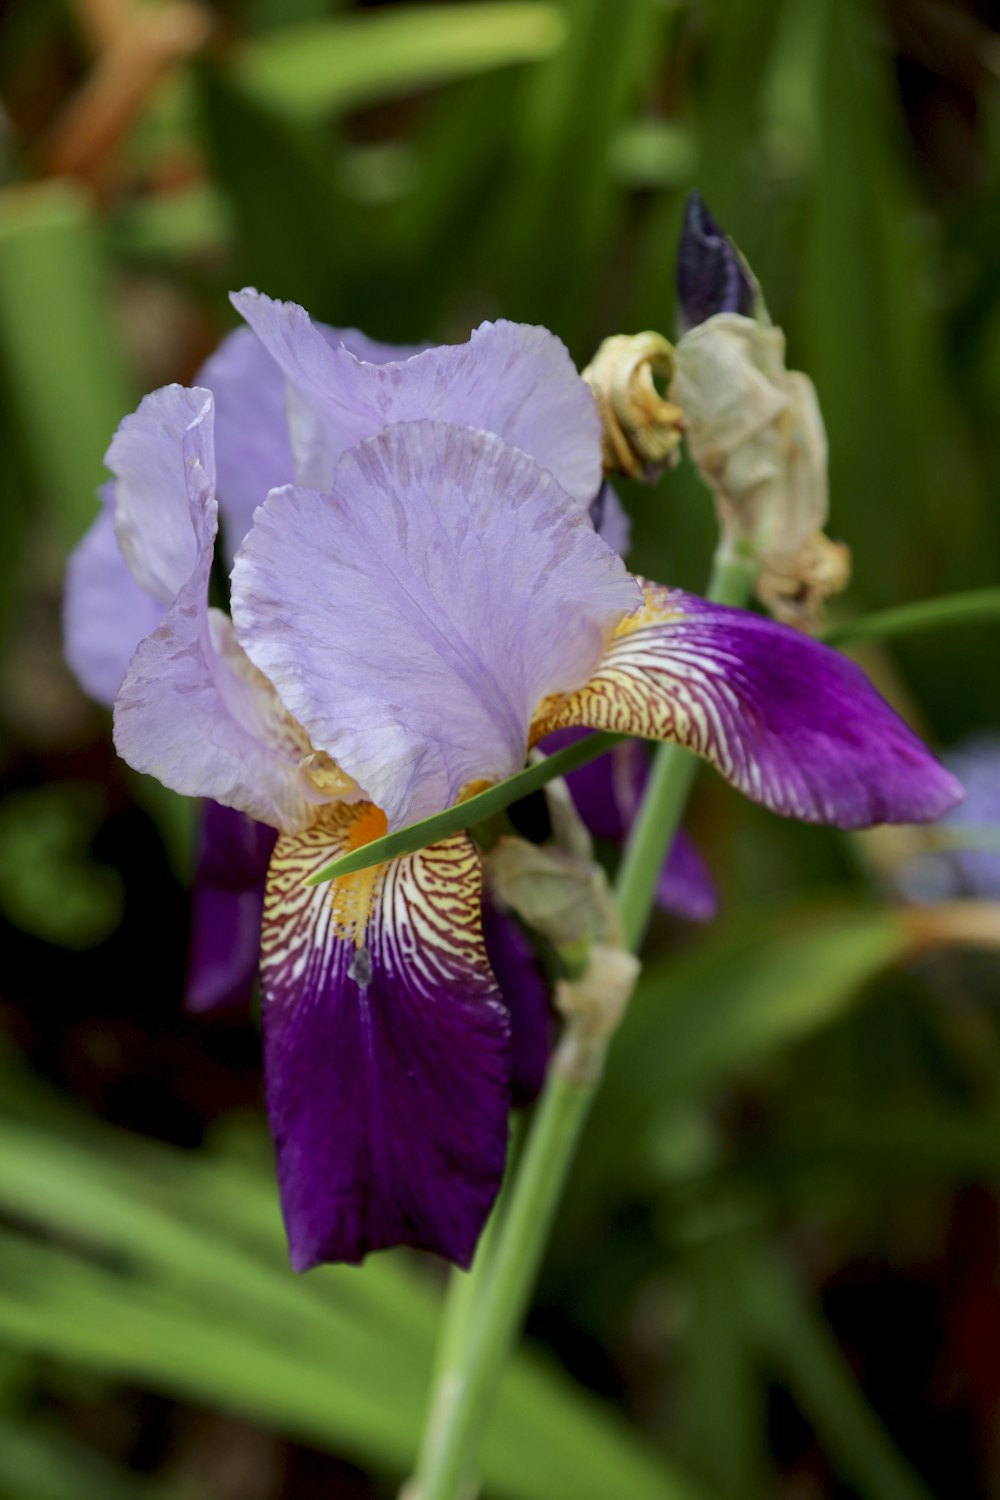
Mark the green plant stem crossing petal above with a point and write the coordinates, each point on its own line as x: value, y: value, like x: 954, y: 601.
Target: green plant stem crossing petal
x: 467, y: 814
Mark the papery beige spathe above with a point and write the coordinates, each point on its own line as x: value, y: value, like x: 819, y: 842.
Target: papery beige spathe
x: 755, y: 431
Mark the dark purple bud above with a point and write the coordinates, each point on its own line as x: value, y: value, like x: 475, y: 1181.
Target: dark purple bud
x: 711, y: 274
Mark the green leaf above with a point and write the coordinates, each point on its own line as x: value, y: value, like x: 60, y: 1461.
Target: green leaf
x: 466, y: 814
x: 745, y: 993
x: 312, y: 70
x: 48, y: 884
x: 973, y: 607
x: 298, y: 234
x: 40, y: 1463
x: 169, y: 1268
x: 818, y: 1375
x: 58, y: 346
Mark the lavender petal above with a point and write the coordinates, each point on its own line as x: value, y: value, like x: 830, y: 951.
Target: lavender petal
x: 105, y: 612
x: 412, y: 618
x: 511, y: 379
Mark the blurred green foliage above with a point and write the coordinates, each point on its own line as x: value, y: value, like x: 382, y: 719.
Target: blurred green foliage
x: 797, y: 1092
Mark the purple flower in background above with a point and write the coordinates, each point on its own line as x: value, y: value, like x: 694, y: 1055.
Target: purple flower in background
x: 972, y: 868
x: 428, y: 599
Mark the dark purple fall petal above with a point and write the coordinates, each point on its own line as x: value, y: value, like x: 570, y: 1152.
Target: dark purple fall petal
x: 387, y: 1063
x: 525, y: 992
x: 711, y: 276
x: 685, y: 886
x: 791, y: 723
x: 227, y: 902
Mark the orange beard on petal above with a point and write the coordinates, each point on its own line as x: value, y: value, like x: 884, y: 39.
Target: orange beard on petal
x: 351, y: 896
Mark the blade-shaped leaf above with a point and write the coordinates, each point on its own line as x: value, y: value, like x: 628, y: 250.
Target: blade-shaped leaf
x: 315, y: 69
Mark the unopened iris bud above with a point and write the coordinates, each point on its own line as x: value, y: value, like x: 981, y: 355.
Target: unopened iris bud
x: 712, y: 276
x: 753, y: 427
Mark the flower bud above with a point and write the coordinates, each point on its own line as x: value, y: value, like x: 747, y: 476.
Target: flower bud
x: 712, y: 276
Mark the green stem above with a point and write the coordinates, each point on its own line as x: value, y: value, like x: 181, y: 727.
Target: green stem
x: 500, y: 1285
x: 669, y: 784
x: 459, y: 1313
x: 975, y: 607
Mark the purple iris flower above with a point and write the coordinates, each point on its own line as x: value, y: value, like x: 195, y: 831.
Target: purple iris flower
x: 425, y: 602
x: 972, y: 870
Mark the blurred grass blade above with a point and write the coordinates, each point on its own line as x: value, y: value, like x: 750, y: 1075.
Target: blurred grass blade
x: 974, y: 607
x: 722, y: 1405
x: 871, y: 335
x: 746, y: 992
x: 821, y: 1380
x: 312, y: 70
x: 58, y: 345
x: 39, y: 1463
x: 560, y: 220
x: 279, y: 178
x: 171, y: 1270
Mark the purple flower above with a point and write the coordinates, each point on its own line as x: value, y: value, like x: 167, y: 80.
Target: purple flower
x: 425, y: 602
x: 972, y: 868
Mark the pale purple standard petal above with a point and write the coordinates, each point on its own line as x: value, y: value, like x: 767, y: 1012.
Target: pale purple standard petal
x: 227, y: 903
x: 610, y: 520
x: 511, y: 379
x: 373, y: 351
x: 412, y: 619
x: 105, y: 612
x: 387, y: 1063
x: 253, y: 451
x: 789, y: 722
x: 192, y: 711
x: 164, y: 466
x: 253, y: 448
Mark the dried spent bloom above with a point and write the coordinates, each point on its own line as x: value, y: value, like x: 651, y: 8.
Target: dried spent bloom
x: 755, y: 431
x: 753, y: 428
x: 423, y: 603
